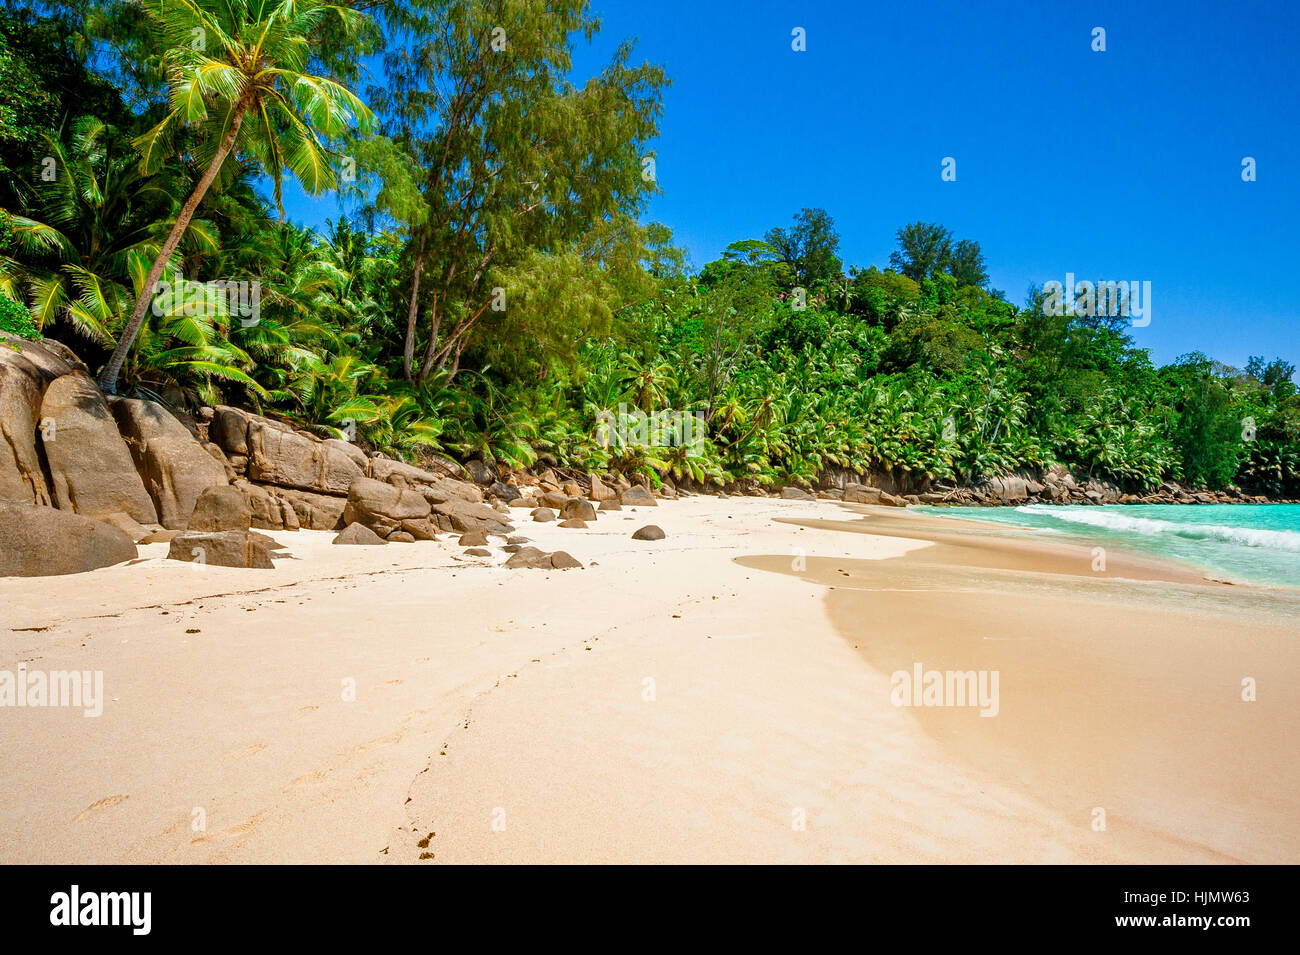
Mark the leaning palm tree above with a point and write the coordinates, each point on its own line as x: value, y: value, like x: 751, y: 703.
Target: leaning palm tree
x: 244, y: 89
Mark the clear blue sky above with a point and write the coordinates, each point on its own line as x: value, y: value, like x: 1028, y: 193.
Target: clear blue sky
x: 1117, y: 165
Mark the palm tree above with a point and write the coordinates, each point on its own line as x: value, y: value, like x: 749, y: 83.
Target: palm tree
x: 647, y: 383
x: 96, y: 225
x: 250, y: 67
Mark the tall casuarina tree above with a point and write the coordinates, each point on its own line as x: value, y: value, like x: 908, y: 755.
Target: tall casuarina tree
x: 237, y: 77
x: 509, y: 155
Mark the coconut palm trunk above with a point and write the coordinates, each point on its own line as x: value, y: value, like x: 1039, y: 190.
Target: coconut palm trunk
x: 108, y: 377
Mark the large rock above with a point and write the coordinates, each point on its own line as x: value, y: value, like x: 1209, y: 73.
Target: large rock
x: 277, y: 454
x: 294, y: 459
x: 555, y: 500
x: 458, y: 515
x: 795, y: 494
x: 383, y: 507
x: 599, y: 490
x: 422, y: 529
x: 176, y: 468
x: 358, y: 534
x: 1058, y: 476
x: 232, y: 548
x: 269, y: 512
x: 578, y: 509
x: 637, y: 496
x: 530, y: 558
x: 26, y: 369
x: 317, y: 512
x: 1105, y: 492
x: 44, y: 542
x: 221, y: 509
x: 91, y: 468
x: 505, y: 492
x: 861, y: 494
x: 447, y: 489
x: 436, y: 488
x: 1009, y: 489
x: 399, y: 473
x: 480, y: 473
x: 651, y: 532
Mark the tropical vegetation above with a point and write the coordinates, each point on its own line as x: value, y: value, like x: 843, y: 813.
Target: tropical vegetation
x: 489, y: 288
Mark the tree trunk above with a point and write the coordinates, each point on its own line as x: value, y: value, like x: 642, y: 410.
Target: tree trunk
x: 108, y: 377
x: 408, y: 354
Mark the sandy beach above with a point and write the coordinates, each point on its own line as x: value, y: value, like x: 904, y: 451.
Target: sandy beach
x: 723, y: 695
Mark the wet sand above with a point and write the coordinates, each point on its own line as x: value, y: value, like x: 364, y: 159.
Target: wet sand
x: 1120, y: 689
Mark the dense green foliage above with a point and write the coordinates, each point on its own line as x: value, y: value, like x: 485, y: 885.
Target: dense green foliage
x: 493, y: 293
x: 16, y: 320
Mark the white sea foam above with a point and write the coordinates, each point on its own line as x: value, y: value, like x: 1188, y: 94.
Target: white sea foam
x: 1111, y: 519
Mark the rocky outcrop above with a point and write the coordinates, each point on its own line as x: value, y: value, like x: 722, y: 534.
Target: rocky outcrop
x: 1010, y: 489
x: 269, y: 512
x: 272, y: 452
x: 651, y: 532
x: 91, y: 468
x: 37, y: 541
x: 861, y: 494
x: 795, y: 494
x: 218, y: 533
x: 174, y: 465
x: 446, y: 490
x: 26, y: 370
x: 317, y: 512
x: 383, y: 507
x: 463, y: 516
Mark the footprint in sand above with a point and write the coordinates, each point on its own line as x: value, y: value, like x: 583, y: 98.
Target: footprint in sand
x: 303, y: 711
x: 248, y: 751
x: 96, y: 806
x: 242, y: 829
x: 304, y: 780
x: 382, y: 741
x: 389, y: 683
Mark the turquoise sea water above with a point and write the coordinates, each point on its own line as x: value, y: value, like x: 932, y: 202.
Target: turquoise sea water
x: 1250, y: 543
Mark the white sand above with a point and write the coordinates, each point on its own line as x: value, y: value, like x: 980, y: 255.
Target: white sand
x: 485, y: 694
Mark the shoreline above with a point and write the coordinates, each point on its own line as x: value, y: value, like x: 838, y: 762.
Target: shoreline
x: 1116, y: 541
x: 480, y: 688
